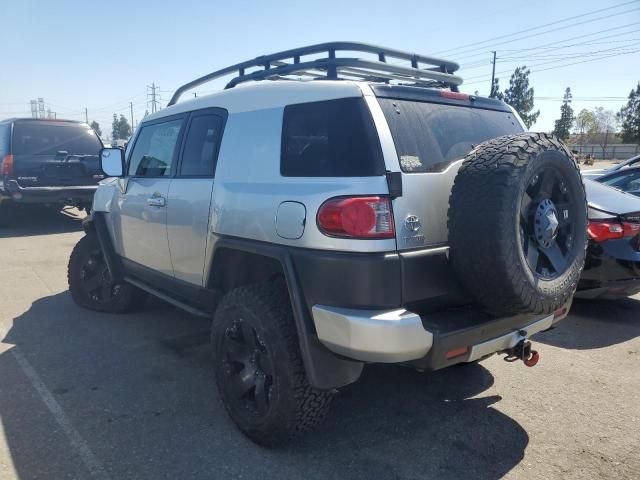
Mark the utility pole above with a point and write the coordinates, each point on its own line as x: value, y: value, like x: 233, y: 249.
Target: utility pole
x: 493, y: 74
x: 153, y: 95
x: 131, y: 108
x: 86, y: 115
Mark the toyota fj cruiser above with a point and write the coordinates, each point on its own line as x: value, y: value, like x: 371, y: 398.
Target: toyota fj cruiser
x: 332, y: 211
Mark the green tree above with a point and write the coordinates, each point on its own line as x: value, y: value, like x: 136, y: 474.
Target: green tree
x: 115, y: 128
x: 520, y: 96
x: 125, y: 128
x: 121, y: 130
x: 495, y: 90
x: 629, y: 118
x: 565, y: 122
x: 96, y: 128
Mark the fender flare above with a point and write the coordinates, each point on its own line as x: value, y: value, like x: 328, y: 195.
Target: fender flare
x: 324, y: 369
x: 95, y: 223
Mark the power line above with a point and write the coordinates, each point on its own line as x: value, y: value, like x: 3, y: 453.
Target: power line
x: 555, y: 29
x: 567, y: 19
x: 549, y: 45
x: 561, y: 66
x: 556, y: 60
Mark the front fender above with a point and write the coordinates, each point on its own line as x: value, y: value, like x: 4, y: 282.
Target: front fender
x: 105, y: 194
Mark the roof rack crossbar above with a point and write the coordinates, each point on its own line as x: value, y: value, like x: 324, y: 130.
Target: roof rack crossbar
x: 275, y: 66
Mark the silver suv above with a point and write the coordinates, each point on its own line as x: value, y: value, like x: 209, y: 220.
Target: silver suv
x: 328, y: 212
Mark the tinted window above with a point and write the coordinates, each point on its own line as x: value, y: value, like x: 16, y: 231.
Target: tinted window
x: 629, y: 180
x: 430, y: 136
x: 4, y: 139
x: 41, y: 138
x: 335, y: 138
x: 155, y: 149
x: 201, y: 145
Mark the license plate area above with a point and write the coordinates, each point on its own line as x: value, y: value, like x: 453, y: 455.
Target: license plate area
x: 65, y: 170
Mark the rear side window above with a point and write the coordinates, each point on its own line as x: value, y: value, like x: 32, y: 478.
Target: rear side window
x: 41, y: 138
x: 334, y: 138
x: 4, y: 139
x: 201, y: 146
x: 430, y: 136
x: 155, y: 150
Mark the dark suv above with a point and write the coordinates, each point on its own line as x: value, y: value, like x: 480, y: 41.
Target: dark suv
x: 47, y: 162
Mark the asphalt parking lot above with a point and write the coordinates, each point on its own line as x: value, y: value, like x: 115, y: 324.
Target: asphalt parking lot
x: 88, y: 395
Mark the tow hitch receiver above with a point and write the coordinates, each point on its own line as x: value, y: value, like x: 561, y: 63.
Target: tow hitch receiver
x: 522, y: 351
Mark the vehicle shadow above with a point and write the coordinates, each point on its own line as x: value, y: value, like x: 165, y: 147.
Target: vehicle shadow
x: 596, y: 324
x: 138, y: 390
x: 33, y: 220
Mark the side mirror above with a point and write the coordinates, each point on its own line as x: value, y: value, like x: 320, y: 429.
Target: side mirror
x: 112, y: 162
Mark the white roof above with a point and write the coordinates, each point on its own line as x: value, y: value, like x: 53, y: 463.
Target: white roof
x: 265, y: 94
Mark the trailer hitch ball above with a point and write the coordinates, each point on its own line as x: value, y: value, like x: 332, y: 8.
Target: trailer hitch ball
x: 523, y: 351
x: 532, y: 361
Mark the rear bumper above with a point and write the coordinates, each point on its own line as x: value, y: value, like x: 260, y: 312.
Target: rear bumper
x: 63, y: 194
x: 609, y: 290
x: 611, y: 270
x: 399, y: 336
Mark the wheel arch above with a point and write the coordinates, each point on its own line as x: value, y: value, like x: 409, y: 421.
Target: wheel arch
x: 237, y: 262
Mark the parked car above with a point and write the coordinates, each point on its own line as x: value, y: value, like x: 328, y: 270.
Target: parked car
x: 612, y: 267
x: 351, y: 221
x: 47, y: 162
x: 598, y: 172
x: 625, y: 179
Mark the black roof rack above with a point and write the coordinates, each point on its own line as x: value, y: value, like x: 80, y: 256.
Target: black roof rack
x: 288, y: 65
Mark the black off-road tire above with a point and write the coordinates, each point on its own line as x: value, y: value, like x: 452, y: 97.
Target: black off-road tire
x: 90, y: 285
x: 488, y: 214
x: 257, y: 322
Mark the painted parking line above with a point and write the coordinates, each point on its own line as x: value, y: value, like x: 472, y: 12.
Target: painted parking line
x: 87, y: 456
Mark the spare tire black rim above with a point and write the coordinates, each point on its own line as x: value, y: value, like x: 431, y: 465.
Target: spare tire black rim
x: 248, y: 368
x: 547, y: 210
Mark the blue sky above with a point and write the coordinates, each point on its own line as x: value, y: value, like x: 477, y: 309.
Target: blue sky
x: 102, y: 55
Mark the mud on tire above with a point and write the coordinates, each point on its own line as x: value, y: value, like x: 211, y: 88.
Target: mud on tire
x: 517, y: 224
x: 258, y: 368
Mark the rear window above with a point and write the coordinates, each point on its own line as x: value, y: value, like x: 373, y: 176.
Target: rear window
x: 430, y: 136
x: 34, y: 138
x: 334, y: 138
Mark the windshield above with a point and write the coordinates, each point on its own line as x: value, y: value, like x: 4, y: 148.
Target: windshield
x: 35, y: 138
x: 430, y: 136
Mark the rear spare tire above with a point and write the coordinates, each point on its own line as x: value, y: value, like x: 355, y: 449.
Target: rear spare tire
x: 517, y: 224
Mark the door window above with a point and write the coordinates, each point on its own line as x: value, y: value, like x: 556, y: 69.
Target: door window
x: 154, y: 152
x: 201, y: 146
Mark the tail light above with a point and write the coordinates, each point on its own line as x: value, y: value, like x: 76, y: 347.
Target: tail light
x: 357, y: 217
x: 7, y: 165
x: 603, y: 231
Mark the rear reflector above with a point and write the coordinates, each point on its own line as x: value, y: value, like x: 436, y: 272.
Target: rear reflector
x: 454, y: 95
x: 7, y: 165
x: 603, y: 231
x: 560, y: 312
x: 357, y: 217
x: 457, y: 352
